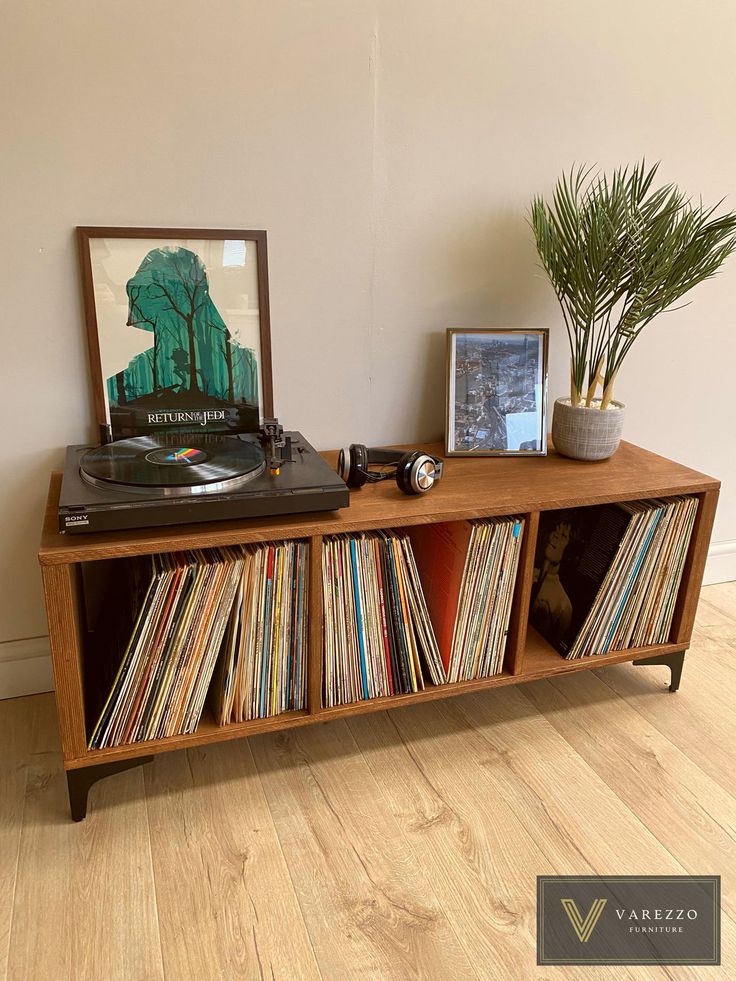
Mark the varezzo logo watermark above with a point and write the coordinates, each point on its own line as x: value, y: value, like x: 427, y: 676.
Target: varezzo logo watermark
x: 583, y: 927
x: 628, y: 919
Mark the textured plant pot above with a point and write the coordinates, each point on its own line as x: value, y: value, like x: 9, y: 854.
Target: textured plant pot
x: 587, y: 433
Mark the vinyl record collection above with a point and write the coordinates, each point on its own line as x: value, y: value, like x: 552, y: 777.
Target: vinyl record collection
x: 617, y: 589
x: 263, y: 667
x: 167, y: 667
x: 468, y: 570
x: 377, y: 631
x: 401, y: 609
x: 246, y: 603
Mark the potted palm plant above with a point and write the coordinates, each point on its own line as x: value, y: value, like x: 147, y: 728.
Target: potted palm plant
x: 618, y: 253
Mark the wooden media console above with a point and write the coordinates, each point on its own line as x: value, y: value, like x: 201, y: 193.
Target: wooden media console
x: 471, y: 488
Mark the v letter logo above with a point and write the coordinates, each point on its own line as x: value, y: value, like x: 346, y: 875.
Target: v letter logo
x: 583, y: 927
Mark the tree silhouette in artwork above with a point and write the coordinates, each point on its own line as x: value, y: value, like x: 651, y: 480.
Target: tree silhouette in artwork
x: 137, y: 317
x: 194, y: 361
x: 182, y: 285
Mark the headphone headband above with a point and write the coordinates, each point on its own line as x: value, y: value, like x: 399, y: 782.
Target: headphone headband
x: 381, y: 454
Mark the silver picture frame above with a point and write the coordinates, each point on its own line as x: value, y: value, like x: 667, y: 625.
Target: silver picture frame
x: 496, y: 391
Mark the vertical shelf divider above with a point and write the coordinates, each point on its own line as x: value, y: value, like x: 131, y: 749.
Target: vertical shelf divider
x: 516, y: 640
x: 314, y: 676
x: 62, y: 593
x: 692, y: 573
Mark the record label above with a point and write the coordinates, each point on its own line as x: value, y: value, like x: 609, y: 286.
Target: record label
x: 174, y: 465
x: 182, y: 456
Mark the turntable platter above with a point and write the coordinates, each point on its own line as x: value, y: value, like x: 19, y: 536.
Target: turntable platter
x: 174, y: 464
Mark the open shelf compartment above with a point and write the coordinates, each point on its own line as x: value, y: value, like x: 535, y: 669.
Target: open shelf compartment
x: 358, y: 563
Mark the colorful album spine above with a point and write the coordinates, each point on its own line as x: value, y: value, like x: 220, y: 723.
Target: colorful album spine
x: 359, y: 617
x: 631, y: 580
x: 384, y: 627
x: 266, y: 632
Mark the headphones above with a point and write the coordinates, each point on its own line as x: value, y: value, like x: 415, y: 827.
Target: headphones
x: 415, y: 472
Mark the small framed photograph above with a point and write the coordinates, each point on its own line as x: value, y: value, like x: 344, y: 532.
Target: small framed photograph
x: 178, y: 329
x: 496, y: 391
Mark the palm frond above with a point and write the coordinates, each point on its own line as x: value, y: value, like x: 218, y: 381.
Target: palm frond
x: 618, y: 253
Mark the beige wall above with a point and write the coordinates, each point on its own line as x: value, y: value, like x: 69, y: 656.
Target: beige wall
x: 390, y: 149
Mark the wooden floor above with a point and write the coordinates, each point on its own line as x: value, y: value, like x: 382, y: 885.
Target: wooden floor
x: 401, y: 845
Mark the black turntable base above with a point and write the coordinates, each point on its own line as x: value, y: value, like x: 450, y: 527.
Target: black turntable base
x: 170, y: 479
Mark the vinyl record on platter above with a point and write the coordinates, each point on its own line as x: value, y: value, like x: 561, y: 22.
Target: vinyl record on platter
x: 173, y: 464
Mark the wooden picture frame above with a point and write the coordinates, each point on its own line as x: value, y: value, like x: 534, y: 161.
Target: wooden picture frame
x: 504, y: 413
x: 200, y: 292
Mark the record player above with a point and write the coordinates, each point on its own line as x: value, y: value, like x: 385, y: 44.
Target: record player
x: 175, y: 478
x: 187, y: 427
x: 179, y: 340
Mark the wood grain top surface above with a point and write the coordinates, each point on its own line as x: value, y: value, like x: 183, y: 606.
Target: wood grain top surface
x: 471, y: 487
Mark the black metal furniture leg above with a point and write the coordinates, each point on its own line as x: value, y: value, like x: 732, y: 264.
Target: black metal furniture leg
x: 673, y: 661
x: 80, y: 780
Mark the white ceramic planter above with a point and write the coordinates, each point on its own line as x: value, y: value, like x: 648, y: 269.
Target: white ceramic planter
x: 587, y: 433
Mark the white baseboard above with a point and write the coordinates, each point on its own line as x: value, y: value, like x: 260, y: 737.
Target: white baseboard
x: 721, y: 563
x: 25, y: 667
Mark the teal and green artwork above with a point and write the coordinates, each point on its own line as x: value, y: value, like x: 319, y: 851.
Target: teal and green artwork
x: 180, y: 333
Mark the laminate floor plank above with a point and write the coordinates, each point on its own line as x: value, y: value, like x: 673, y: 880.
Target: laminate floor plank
x: 370, y: 911
x: 610, y: 836
x: 690, y: 814
x: 699, y: 718
x: 694, y: 816
x: 226, y: 904
x: 464, y: 836
x: 714, y: 633
x: 720, y: 597
x: 85, y: 906
x: 483, y: 828
x: 18, y: 720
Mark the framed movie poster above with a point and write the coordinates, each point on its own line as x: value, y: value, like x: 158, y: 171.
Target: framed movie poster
x: 178, y: 329
x: 496, y: 391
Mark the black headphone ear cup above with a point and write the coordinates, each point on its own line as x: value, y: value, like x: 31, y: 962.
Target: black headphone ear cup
x: 403, y: 472
x: 416, y: 473
x: 358, y: 469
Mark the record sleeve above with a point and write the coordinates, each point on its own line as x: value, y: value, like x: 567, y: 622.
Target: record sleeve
x: 574, y: 552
